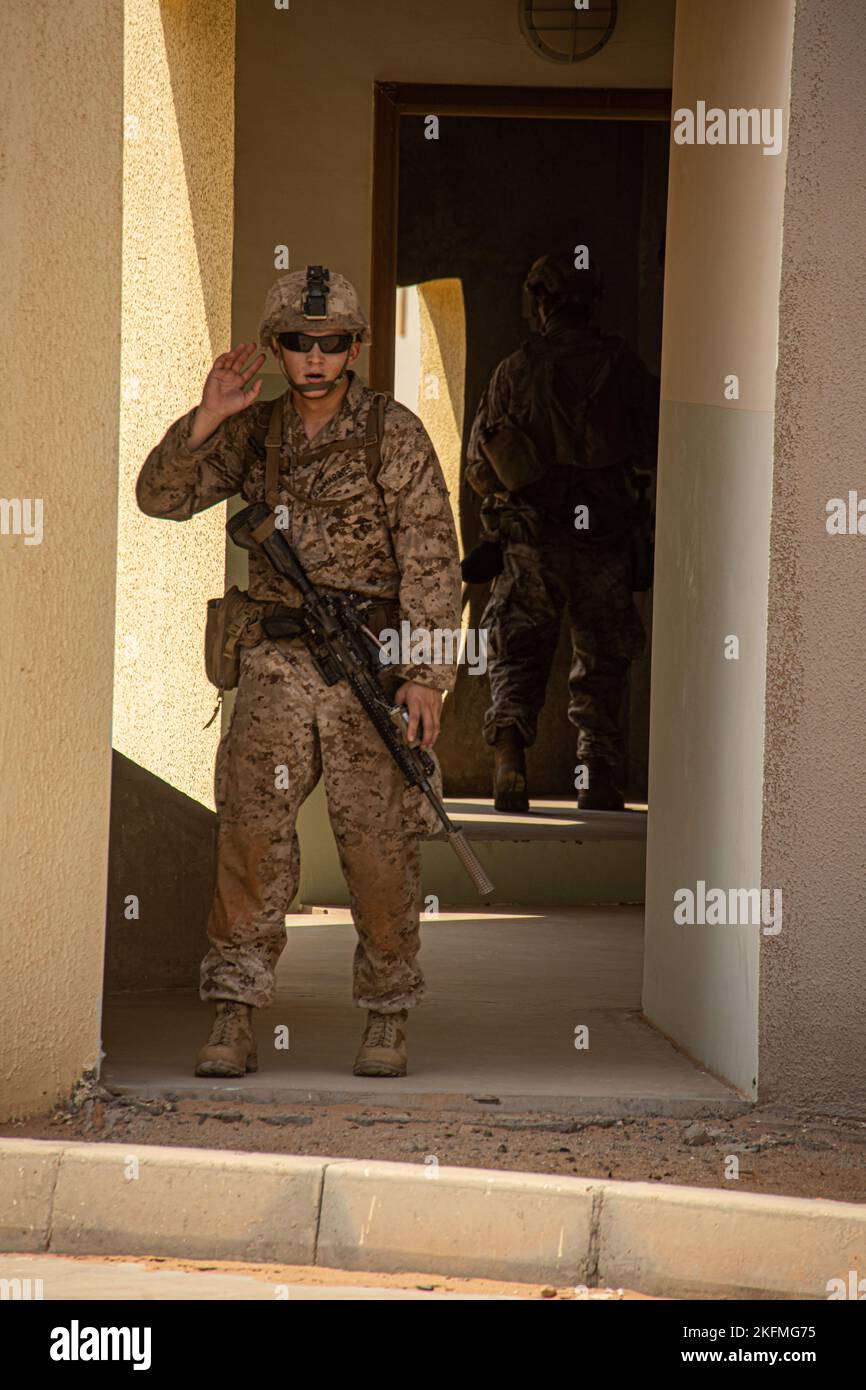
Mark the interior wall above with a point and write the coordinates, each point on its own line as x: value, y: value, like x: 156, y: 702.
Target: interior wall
x: 713, y: 526
x: 813, y: 975
x: 60, y: 216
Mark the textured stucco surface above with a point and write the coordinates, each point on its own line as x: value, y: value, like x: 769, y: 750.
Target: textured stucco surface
x: 813, y: 980
x: 60, y: 194
x: 713, y: 525
x: 443, y: 361
x: 177, y: 260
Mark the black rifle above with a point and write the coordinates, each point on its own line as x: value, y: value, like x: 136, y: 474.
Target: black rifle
x: 343, y: 648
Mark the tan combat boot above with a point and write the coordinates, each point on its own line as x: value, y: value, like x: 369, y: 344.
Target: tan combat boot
x: 231, y: 1047
x: 383, y: 1047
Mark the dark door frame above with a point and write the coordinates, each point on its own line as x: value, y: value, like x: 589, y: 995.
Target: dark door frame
x: 391, y: 100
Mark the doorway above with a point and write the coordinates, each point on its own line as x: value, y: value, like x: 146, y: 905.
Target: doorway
x: 470, y: 186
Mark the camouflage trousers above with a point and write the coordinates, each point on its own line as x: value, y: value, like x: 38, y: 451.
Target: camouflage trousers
x: 523, y: 617
x: 289, y: 728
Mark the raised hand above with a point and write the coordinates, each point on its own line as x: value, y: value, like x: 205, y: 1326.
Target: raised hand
x: 224, y: 393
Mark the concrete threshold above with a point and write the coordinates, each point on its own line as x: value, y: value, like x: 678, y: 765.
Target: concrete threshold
x: 508, y: 989
x: 565, y: 1107
x: 680, y: 1242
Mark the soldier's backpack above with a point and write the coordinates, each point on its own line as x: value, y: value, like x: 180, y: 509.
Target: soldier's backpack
x: 585, y: 427
x: 508, y: 460
x: 513, y: 455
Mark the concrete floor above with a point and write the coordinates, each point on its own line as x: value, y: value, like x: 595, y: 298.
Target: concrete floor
x: 506, y: 990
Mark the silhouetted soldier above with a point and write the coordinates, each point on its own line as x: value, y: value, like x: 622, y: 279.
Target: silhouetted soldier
x: 561, y: 426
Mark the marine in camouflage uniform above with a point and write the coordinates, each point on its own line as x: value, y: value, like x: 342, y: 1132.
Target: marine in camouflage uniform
x: 590, y: 409
x: 392, y: 541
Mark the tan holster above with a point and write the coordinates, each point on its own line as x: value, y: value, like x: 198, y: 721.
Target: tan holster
x: 233, y: 622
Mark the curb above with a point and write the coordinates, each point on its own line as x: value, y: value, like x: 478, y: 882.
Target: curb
x: 681, y: 1242
x: 566, y: 1107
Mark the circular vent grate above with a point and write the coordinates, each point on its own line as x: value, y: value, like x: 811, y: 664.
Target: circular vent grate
x: 562, y: 34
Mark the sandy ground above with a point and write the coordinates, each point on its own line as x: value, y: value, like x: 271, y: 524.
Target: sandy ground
x: 780, y: 1154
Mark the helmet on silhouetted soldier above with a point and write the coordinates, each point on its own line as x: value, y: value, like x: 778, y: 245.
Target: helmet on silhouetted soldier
x: 561, y: 282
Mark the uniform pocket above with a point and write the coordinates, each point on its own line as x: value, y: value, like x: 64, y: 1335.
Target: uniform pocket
x: 343, y: 483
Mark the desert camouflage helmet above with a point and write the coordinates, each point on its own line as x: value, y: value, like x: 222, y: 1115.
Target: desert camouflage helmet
x: 288, y: 301
x: 557, y: 275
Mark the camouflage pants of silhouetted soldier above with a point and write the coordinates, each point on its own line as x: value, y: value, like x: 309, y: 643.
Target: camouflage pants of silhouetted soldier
x: 287, y: 729
x: 592, y: 585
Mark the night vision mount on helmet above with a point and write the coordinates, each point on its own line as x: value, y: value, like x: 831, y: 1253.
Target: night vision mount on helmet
x: 313, y: 297
x: 316, y: 300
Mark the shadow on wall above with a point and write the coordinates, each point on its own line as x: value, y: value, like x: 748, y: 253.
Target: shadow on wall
x: 161, y: 864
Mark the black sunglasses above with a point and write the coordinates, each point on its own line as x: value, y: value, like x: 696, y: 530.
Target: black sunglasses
x: 328, y: 343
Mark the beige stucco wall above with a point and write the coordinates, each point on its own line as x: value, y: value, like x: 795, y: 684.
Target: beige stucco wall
x: 443, y: 372
x: 712, y: 565
x: 430, y: 368
x: 813, y: 980
x: 60, y: 195
x: 177, y: 262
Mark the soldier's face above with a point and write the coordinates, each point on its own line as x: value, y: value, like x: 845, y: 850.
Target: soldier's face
x: 316, y: 365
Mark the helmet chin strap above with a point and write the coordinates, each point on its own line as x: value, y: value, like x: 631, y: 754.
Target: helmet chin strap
x: 304, y: 388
